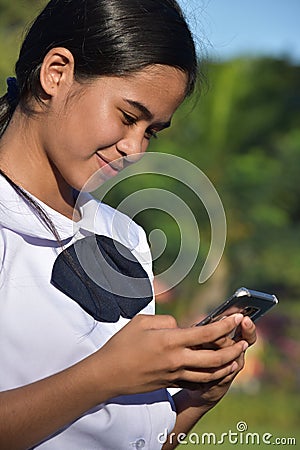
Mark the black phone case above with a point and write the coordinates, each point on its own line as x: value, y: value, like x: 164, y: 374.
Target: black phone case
x: 245, y: 301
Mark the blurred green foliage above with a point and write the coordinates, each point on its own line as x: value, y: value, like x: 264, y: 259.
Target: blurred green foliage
x: 273, y: 411
x: 242, y: 129
x: 15, y: 17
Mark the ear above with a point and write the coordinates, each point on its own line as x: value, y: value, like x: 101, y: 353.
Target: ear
x: 57, y: 71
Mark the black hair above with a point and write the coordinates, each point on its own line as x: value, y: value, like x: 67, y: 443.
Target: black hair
x: 106, y: 38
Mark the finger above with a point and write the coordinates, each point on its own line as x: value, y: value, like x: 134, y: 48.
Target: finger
x: 248, y: 330
x: 197, y: 377
x: 239, y: 365
x: 223, y: 342
x: 213, y: 359
x: 194, y: 336
x: 223, y: 376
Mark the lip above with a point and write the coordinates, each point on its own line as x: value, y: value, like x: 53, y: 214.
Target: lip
x: 109, y: 167
x: 112, y: 167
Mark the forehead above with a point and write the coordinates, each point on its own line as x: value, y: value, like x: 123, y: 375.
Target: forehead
x: 160, y: 84
x: 164, y: 77
x: 160, y: 88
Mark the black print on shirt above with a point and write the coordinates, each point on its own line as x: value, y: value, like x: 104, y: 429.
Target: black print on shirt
x: 103, y: 277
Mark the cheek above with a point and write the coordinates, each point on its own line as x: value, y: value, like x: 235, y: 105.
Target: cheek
x: 84, y: 134
x: 145, y: 145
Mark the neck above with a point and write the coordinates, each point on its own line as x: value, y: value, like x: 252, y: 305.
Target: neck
x: 24, y: 161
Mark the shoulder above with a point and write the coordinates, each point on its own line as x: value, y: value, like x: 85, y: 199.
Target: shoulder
x: 108, y: 221
x: 124, y: 229
x: 100, y: 218
x: 121, y: 227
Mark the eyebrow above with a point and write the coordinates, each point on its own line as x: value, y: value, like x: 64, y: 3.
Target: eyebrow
x: 146, y: 114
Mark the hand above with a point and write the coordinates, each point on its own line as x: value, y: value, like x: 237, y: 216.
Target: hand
x: 209, y: 394
x: 248, y: 330
x: 151, y: 352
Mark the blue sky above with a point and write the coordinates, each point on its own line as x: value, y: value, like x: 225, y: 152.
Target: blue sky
x: 234, y: 27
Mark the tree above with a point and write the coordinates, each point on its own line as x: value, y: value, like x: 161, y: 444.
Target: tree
x: 243, y: 132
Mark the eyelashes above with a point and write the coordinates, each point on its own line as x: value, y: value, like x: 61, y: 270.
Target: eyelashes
x: 151, y: 134
x: 130, y: 121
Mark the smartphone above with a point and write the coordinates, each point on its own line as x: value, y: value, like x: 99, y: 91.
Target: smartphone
x: 245, y: 301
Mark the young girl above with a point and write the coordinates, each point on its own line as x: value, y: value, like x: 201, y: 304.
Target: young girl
x: 84, y: 367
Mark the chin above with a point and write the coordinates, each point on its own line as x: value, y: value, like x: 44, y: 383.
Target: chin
x: 92, y: 183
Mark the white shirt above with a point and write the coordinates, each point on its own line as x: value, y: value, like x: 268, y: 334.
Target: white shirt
x: 43, y: 331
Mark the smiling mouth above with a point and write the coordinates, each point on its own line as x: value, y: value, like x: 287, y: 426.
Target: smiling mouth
x: 113, y: 165
x: 119, y: 164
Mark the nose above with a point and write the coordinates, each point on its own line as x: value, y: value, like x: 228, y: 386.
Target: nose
x: 134, y: 143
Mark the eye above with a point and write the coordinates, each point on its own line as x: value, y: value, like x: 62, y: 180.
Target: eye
x: 129, y: 120
x: 150, y: 134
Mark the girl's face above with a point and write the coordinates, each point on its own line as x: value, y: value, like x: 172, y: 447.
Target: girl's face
x: 110, y: 118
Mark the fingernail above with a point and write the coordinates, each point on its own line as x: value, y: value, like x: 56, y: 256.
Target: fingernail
x: 247, y: 322
x: 245, y: 346
x: 234, y: 367
x: 238, y: 318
